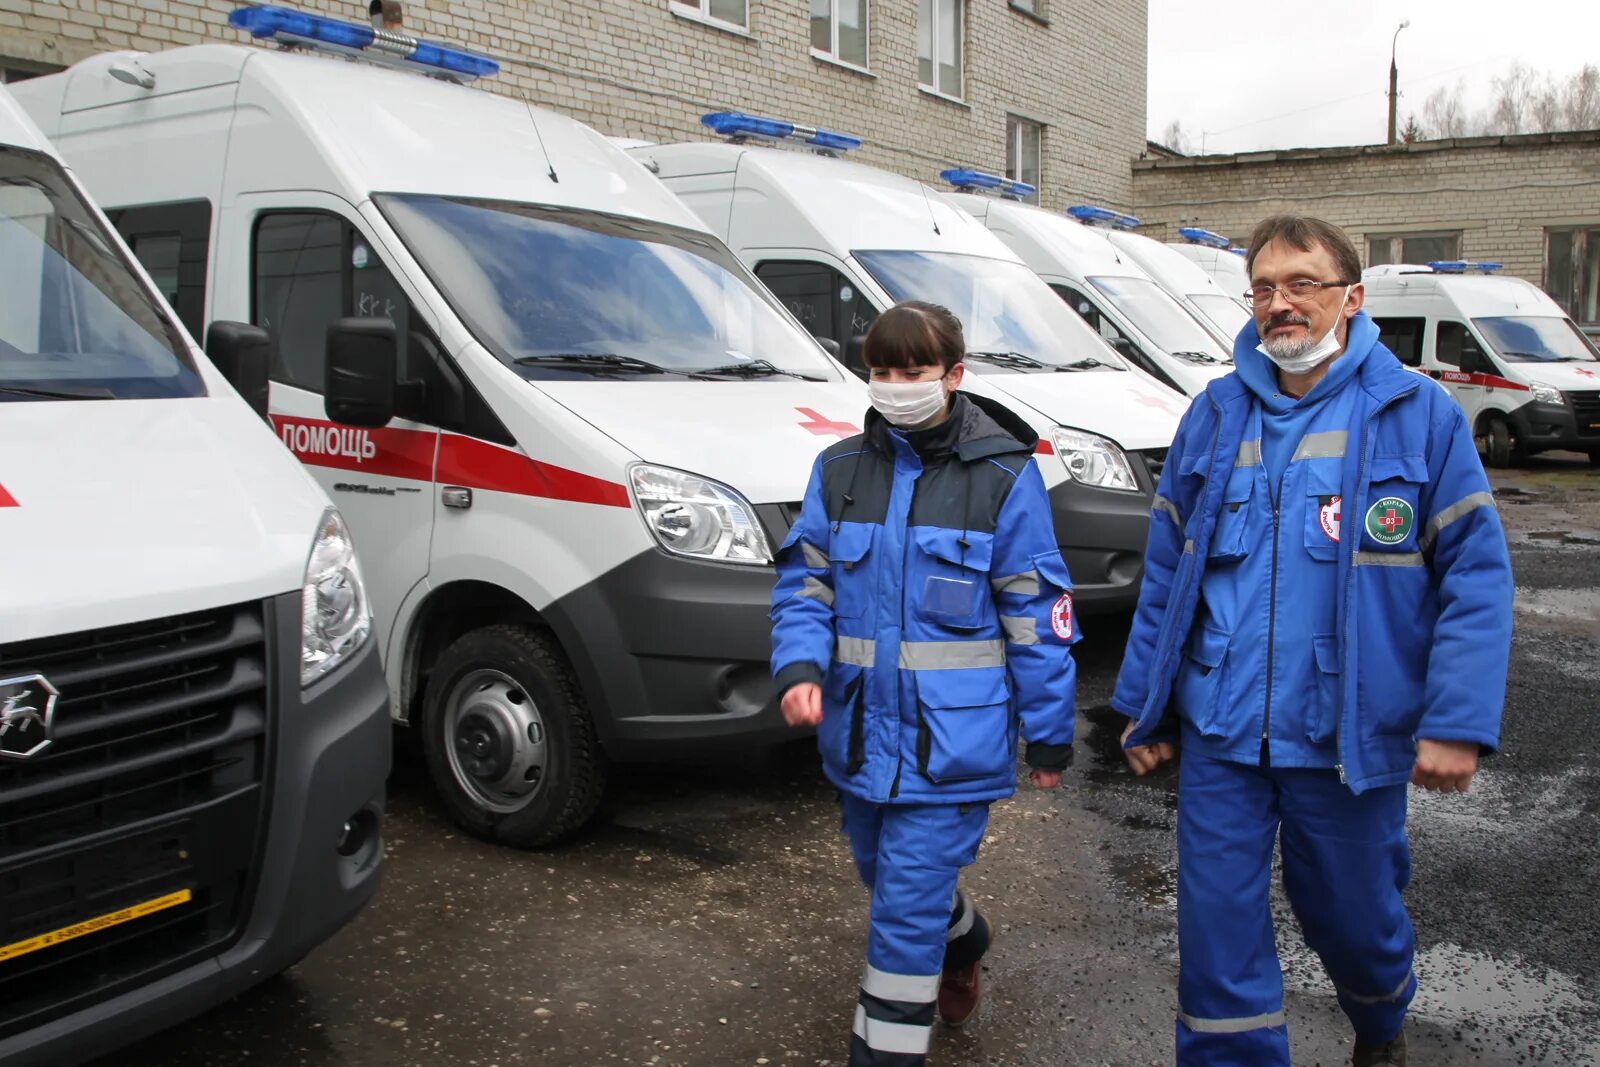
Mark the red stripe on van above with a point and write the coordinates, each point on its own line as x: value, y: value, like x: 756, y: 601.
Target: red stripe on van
x: 463, y: 461
x: 1044, y: 448
x: 1456, y: 377
x: 6, y: 499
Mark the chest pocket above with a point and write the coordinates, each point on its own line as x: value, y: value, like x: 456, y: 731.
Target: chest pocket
x: 950, y: 586
x: 850, y: 549
x: 1324, y: 522
x: 1230, y: 541
x: 1392, y: 506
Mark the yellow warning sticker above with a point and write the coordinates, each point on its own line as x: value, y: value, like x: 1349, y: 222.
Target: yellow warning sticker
x: 89, y: 926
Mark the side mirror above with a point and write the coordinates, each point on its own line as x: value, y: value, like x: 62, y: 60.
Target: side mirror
x: 830, y: 346
x: 362, y: 385
x: 243, y: 355
x: 1473, y: 361
x: 1126, y: 349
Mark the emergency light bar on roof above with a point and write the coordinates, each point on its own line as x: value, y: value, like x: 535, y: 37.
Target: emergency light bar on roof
x: 1010, y: 188
x: 352, y: 38
x: 1462, y: 266
x: 737, y: 125
x: 1196, y: 236
x: 1090, y: 215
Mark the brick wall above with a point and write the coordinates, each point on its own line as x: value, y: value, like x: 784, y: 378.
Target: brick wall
x: 633, y: 68
x: 1500, y: 193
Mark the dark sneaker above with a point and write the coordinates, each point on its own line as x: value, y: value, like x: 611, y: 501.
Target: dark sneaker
x: 959, y: 994
x: 1388, y: 1054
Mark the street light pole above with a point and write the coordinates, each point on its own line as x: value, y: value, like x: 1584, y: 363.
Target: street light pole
x: 1394, y: 79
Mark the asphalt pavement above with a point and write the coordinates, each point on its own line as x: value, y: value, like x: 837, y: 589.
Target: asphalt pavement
x: 711, y: 915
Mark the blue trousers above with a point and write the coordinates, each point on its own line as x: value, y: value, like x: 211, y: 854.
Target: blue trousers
x: 1345, y: 862
x: 909, y: 856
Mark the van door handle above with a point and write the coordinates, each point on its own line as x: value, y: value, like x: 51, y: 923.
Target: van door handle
x: 456, y: 496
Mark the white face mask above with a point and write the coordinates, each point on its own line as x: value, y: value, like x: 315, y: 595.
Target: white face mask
x: 907, y: 404
x: 1294, y: 357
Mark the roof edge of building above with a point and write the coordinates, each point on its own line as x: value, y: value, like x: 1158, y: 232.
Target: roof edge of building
x: 1285, y: 155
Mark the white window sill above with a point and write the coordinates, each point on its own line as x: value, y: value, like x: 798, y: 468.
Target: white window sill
x: 928, y: 90
x: 834, y: 61
x: 694, y: 14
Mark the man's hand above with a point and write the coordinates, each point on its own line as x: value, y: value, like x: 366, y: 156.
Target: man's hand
x: 1446, y: 766
x: 1045, y: 779
x: 1146, y: 758
x: 802, y: 704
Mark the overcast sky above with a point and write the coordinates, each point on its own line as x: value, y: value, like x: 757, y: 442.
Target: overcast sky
x: 1277, y: 74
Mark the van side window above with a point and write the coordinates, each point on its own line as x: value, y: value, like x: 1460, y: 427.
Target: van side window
x: 824, y: 301
x: 172, y: 242
x: 1087, y: 308
x: 1457, y: 347
x: 1403, y: 337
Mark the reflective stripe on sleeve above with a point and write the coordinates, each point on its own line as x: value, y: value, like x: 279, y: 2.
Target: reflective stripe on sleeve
x: 1459, y: 510
x: 1329, y: 444
x: 1232, y: 1026
x: 815, y: 558
x: 1019, y: 630
x: 1024, y: 584
x: 1387, y: 559
x: 1168, y: 508
x: 817, y: 590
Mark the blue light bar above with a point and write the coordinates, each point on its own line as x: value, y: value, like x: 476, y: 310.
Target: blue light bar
x: 738, y: 124
x: 1088, y: 213
x: 1195, y: 235
x: 317, y: 31
x: 1461, y: 266
x: 966, y: 178
x: 1240, y: 251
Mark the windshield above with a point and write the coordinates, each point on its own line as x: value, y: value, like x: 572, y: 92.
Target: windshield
x: 75, y: 321
x: 1224, y: 315
x: 1536, y: 340
x: 1157, y: 315
x: 561, y: 293
x: 1003, y: 307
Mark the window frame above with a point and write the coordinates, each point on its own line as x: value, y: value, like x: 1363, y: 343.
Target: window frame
x: 1389, y: 327
x: 1402, y: 257
x: 935, y: 88
x: 700, y: 11
x: 849, y: 352
x: 1580, y: 240
x: 190, y: 221
x: 832, y: 54
x: 1015, y: 127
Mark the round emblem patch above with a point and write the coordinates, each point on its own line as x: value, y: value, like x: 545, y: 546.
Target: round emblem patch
x: 1328, y: 518
x: 1390, y: 520
x: 1061, y: 617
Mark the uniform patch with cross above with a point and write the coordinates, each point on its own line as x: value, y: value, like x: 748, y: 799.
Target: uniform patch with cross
x: 1389, y: 521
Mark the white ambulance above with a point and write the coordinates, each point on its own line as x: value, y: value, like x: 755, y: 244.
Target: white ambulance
x: 1117, y: 299
x: 1222, y: 315
x: 1218, y: 257
x: 194, y: 729
x: 1527, y: 377
x: 840, y: 242
x: 568, y: 428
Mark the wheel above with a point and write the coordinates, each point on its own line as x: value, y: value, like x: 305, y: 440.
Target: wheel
x: 1594, y: 459
x: 1498, y: 453
x: 508, y: 739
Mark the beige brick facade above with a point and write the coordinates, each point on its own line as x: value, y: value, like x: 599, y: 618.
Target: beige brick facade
x: 1501, y: 194
x: 635, y: 68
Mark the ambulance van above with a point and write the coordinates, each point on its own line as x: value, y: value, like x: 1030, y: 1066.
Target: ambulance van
x: 567, y: 427
x: 840, y: 242
x: 1222, y: 315
x: 1527, y: 377
x: 1218, y: 257
x: 194, y: 729
x: 1117, y: 299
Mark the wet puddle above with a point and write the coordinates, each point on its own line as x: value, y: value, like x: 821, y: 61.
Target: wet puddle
x: 1566, y: 605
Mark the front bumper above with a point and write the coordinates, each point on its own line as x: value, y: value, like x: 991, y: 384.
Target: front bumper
x: 1541, y: 426
x: 332, y: 752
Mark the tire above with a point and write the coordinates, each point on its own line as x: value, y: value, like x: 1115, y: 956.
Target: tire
x: 1498, y: 452
x: 1594, y: 459
x: 508, y: 739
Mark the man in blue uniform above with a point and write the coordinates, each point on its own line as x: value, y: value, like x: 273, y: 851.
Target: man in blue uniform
x: 923, y: 615
x: 1325, y: 615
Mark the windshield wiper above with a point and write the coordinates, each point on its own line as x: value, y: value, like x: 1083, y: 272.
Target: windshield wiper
x: 1006, y: 359
x: 1087, y: 363
x: 756, y: 368
x: 53, y: 394
x: 1537, y: 358
x: 1200, y: 357
x: 594, y: 360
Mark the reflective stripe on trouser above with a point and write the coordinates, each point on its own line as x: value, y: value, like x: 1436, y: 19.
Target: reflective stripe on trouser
x: 909, y: 855
x: 1345, y: 862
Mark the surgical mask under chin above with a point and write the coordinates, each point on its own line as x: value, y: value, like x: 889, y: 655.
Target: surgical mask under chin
x: 907, y: 404
x: 1315, y: 355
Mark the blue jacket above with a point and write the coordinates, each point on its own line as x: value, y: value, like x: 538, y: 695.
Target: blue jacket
x: 922, y: 587
x: 1421, y: 598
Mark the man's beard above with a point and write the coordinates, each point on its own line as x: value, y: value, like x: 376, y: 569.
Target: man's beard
x: 1287, y: 348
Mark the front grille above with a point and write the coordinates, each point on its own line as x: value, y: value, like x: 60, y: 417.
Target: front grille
x: 1586, y: 411
x: 1154, y: 460
x: 154, y: 784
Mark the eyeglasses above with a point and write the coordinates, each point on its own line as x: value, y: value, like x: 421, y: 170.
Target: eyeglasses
x: 1296, y: 292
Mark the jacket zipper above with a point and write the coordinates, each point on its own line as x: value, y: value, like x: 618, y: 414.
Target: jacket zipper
x: 1272, y: 617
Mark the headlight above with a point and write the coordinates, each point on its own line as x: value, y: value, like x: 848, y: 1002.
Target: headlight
x: 694, y: 516
x: 1093, y: 460
x: 334, y: 618
x: 1547, y: 394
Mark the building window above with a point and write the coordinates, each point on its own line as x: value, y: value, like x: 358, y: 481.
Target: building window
x: 16, y: 70
x: 1024, y: 153
x: 1572, y: 271
x: 1029, y: 7
x: 839, y: 30
x: 735, y: 13
x: 939, y: 45
x: 1412, y: 247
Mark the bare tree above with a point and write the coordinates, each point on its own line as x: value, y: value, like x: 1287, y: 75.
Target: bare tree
x: 1511, y: 108
x: 1174, y: 137
x: 1580, y: 100
x: 1444, y: 113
